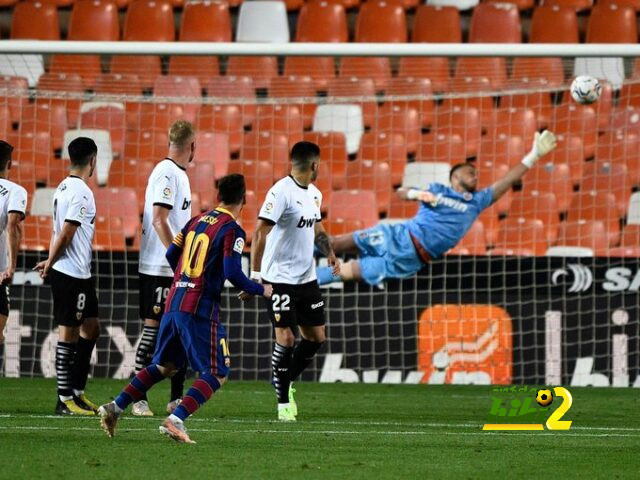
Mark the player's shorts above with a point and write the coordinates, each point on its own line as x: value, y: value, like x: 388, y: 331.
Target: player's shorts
x: 153, y: 293
x: 292, y: 305
x: 184, y: 337
x: 4, y: 300
x: 74, y: 299
x: 386, y: 251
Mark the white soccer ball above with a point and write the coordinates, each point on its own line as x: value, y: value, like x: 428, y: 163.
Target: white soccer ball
x: 585, y: 89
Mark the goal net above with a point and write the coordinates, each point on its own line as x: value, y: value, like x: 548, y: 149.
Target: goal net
x: 542, y: 289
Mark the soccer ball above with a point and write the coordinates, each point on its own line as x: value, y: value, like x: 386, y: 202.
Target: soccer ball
x: 544, y: 398
x: 585, y: 89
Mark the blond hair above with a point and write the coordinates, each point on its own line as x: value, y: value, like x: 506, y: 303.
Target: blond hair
x: 181, y: 134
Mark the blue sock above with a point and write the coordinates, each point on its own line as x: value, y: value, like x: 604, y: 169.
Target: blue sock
x: 198, y: 394
x: 141, y: 383
x: 325, y: 275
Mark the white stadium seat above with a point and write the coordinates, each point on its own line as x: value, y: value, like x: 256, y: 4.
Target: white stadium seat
x: 421, y: 174
x: 263, y: 22
x: 42, y: 203
x: 633, y: 211
x: 345, y: 119
x: 568, y: 251
x: 105, y: 153
x: 610, y: 69
x: 459, y: 4
x: 27, y: 66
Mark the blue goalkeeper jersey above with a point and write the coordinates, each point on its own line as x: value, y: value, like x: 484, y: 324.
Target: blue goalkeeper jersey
x: 439, y: 228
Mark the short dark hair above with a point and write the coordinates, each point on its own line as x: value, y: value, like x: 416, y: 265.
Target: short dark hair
x: 304, y: 153
x: 5, y: 154
x: 81, y: 150
x: 458, y: 166
x: 231, y: 189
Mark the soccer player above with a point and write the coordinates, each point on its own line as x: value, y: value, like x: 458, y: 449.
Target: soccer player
x: 167, y: 207
x: 207, y: 251
x: 282, y: 255
x: 445, y: 215
x: 68, y: 270
x: 13, y: 202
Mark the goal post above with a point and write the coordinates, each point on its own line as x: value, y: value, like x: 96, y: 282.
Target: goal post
x: 543, y: 289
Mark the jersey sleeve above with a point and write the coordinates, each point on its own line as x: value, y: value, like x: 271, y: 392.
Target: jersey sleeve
x: 233, y: 245
x: 165, y: 189
x: 18, y: 202
x: 77, y: 210
x: 317, y: 197
x: 485, y: 197
x: 274, y: 205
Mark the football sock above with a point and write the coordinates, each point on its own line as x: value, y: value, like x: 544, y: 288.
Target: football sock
x: 177, y: 384
x: 146, y: 347
x: 325, y: 275
x: 302, y: 356
x: 200, y: 391
x: 137, y: 389
x: 65, y: 355
x: 280, y: 360
x: 82, y: 363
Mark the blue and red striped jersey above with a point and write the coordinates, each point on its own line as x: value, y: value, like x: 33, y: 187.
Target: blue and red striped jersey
x: 203, y: 255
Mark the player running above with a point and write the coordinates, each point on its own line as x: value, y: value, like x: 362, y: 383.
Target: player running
x: 207, y: 251
x: 445, y: 215
x: 13, y: 203
x: 282, y: 255
x: 68, y: 270
x: 167, y: 207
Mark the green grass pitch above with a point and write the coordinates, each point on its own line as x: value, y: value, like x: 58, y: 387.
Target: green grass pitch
x: 343, y: 431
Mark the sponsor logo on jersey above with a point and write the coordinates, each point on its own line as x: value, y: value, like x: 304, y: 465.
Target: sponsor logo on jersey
x: 451, y: 203
x: 306, y: 222
x: 186, y: 204
x: 268, y: 207
x: 166, y: 193
x: 239, y: 245
x: 315, y: 306
x: 83, y: 211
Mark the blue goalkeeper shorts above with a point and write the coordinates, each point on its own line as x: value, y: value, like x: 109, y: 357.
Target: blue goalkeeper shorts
x: 386, y: 251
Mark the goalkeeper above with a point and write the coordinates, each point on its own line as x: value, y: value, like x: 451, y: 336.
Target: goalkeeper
x: 445, y: 215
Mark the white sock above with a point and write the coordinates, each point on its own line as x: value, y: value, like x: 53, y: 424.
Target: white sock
x: 77, y: 393
x: 175, y: 419
x: 64, y: 398
x: 117, y: 408
x: 283, y: 405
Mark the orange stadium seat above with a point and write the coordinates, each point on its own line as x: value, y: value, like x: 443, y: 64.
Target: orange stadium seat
x: 521, y: 236
x: 490, y: 220
x: 394, y: 118
x: 502, y: 148
x: 109, y: 234
x: 106, y: 116
x: 571, y: 152
x: 45, y: 116
x: 441, y: 147
x: 380, y: 21
x: 342, y: 227
x: 603, y: 107
x: 518, y: 122
x: 94, y: 20
x: 414, y: 87
x: 630, y: 94
x: 267, y: 146
x: 118, y: 84
x: 603, y: 176
x: 355, y: 87
x: 620, y: 148
x: 521, y: 4
x: 536, y: 205
x: 584, y: 233
x: 374, y: 176
x: 635, y: 4
x: 152, y: 115
x: 376, y: 68
x: 35, y: 21
x: 626, y: 120
x: 24, y: 173
x: 436, y: 69
x: 477, y: 88
x: 437, y: 25
x: 578, y: 5
x: 399, y: 208
x: 88, y: 67
x: 591, y: 205
x: 224, y: 119
x: 133, y: 174
x: 554, y: 24
x: 249, y: 214
x: 385, y: 147
x: 546, y: 71
x: 322, y: 22
x: 321, y: 69
x: 33, y: 149
x: 296, y: 87
x: 488, y: 173
x: 630, y: 236
x: 323, y: 183
x: 473, y: 242
x: 551, y: 177
x: 347, y: 4
x: 213, y: 148
x: 258, y: 175
x: 68, y: 83
x: 36, y: 233
x: 14, y: 93
x: 147, y: 68
x: 571, y: 118
x: 146, y: 144
x: 242, y: 88
x: 179, y: 86
x: 260, y: 69
x: 539, y: 102
x: 491, y: 23
x: 612, y: 24
x: 354, y: 205
x: 6, y: 129
x: 286, y: 119
x: 202, y: 180
x: 494, y: 68
x: 461, y: 121
x: 333, y: 154
x: 121, y: 203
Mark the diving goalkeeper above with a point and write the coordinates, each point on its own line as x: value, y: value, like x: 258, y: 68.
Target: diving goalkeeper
x: 445, y: 215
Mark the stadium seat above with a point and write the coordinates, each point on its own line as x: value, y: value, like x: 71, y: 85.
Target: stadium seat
x: 376, y: 68
x: 538, y: 101
x: 30, y: 67
x: 387, y: 147
x: 460, y: 121
x: 394, y: 118
x: 94, y: 20
x: 35, y: 21
x: 578, y: 5
x: 576, y: 119
x: 145, y: 144
x: 285, y: 119
x: 436, y: 69
x: 116, y: 83
x: 568, y: 251
x: 441, y: 147
x: 536, y: 205
x: 491, y: 222
x: 354, y: 205
x: 630, y: 237
x: 488, y: 173
x: 205, y: 22
x: 473, y: 242
x: 231, y: 86
x: 223, y: 119
x: 322, y: 21
x: 341, y: 226
x: 333, y: 154
x: 414, y: 87
x: 131, y: 173
x: 521, y: 4
x: 270, y: 147
x: 610, y: 69
x: 202, y: 181
x: 374, y: 176
x: 346, y: 119
x: 6, y: 128
x: 260, y: 69
x: 635, y: 4
x: 36, y: 232
x: 258, y: 175
x: 109, y: 234
x: 570, y: 151
x: 213, y: 148
x: 521, y: 236
x: 147, y: 68
x: 121, y: 203
x: 554, y: 24
x: 436, y: 25
x: 475, y: 95
x: 354, y: 87
x: 34, y: 152
x: 611, y: 177
x: 546, y: 71
x: 42, y: 203
x: 322, y: 70
x: 515, y: 122
x: 88, y: 67
x: 105, y: 152
x: 249, y: 214
x: 109, y: 116
x: 179, y: 86
x: 71, y: 83
x: 262, y: 21
x: 495, y: 23
x: 402, y: 209
x: 45, y: 116
x: 583, y: 233
x: 459, y: 4
x: 502, y: 149
x: 633, y: 210
x: 619, y: 147
x: 14, y: 93
x: 421, y: 174
x: 493, y: 68
x: 380, y: 21
x: 152, y: 115
x: 591, y: 205
x: 550, y: 177
x: 290, y: 87
x: 612, y: 24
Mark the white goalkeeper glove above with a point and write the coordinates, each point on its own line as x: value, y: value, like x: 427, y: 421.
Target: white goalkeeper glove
x: 543, y: 143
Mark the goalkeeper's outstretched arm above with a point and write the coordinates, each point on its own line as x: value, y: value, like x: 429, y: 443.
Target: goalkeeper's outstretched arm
x: 543, y: 143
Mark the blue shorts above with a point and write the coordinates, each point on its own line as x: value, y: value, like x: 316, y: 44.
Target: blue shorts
x: 386, y: 251
x: 184, y: 337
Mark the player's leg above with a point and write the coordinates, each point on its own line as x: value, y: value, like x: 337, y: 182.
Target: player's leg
x: 344, y: 244
x: 4, y: 315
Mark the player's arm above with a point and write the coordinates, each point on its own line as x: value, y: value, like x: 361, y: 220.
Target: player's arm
x: 543, y: 143
x: 323, y: 244
x: 174, y: 252
x: 233, y: 248
x: 415, y: 194
x: 263, y: 227
x: 62, y: 241
x: 14, y: 236
x: 164, y: 199
x: 160, y: 224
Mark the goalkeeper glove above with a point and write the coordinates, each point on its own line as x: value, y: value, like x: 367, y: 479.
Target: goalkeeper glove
x: 543, y: 143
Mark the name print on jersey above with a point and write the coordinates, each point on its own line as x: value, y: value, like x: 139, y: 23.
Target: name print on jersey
x: 451, y: 203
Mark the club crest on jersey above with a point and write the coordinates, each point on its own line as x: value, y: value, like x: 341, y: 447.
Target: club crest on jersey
x: 166, y: 193
x: 78, y: 316
x: 83, y: 211
x: 317, y: 200
x: 467, y: 196
x: 239, y: 245
x: 306, y: 222
x: 156, y: 309
x: 277, y: 316
x: 268, y: 207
